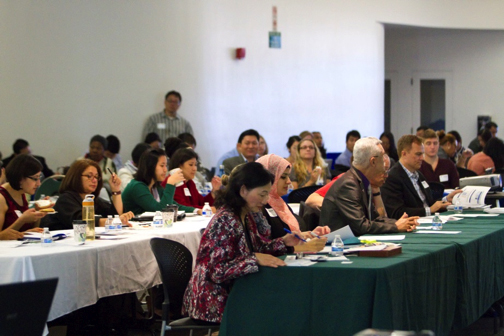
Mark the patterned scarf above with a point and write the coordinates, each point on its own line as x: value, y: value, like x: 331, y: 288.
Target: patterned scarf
x: 276, y: 166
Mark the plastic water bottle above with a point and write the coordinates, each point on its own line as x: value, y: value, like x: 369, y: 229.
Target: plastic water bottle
x: 437, y: 224
x: 157, y: 223
x: 458, y: 206
x: 42, y: 196
x: 221, y: 170
x: 337, y: 247
x: 320, y: 180
x: 109, y: 224
x: 117, y: 223
x: 46, y: 239
x: 88, y: 215
x: 207, y: 210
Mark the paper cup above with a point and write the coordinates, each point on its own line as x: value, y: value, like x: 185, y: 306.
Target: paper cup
x: 173, y: 171
x: 79, y: 231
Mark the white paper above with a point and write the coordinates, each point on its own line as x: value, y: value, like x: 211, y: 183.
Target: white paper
x: 471, y: 196
x: 438, y: 232
x: 477, y: 215
x: 494, y: 210
x: 292, y: 261
x: 444, y: 219
x: 383, y: 237
x: 345, y: 233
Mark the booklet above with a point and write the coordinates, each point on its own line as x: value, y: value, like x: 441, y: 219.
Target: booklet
x: 471, y: 197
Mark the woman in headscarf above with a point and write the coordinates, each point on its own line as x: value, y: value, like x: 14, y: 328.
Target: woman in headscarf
x: 279, y: 215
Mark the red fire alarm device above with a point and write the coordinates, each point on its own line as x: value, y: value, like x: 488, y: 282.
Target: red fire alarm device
x: 240, y: 53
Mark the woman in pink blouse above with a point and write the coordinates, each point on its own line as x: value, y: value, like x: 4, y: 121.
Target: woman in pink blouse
x: 234, y: 243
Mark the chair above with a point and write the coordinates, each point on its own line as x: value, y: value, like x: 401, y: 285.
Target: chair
x: 465, y: 172
x: 338, y: 169
x: 175, y: 264
x: 50, y: 186
x: 301, y: 194
x: 437, y: 190
x: 311, y: 216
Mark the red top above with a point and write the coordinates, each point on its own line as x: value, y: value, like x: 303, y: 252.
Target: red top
x: 12, y: 206
x: 191, y: 197
x: 323, y: 191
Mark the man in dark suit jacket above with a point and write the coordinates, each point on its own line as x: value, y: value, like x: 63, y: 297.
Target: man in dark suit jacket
x: 406, y: 190
x: 353, y: 198
x: 247, y: 146
x: 22, y: 146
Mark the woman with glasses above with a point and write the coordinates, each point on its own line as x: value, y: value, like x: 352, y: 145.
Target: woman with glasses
x: 305, y: 171
x: 23, y: 173
x: 85, y: 177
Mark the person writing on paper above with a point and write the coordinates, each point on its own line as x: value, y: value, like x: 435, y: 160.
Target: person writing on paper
x: 234, y: 243
x: 10, y: 234
x: 278, y: 214
x: 406, y: 190
x: 85, y: 177
x: 23, y: 173
x: 434, y: 168
x: 144, y: 192
x: 355, y: 197
x: 186, y: 194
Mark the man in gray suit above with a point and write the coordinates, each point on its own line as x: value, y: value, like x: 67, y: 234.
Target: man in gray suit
x: 354, y: 197
x: 247, y: 146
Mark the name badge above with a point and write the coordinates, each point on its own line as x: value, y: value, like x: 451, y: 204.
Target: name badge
x: 443, y: 178
x: 161, y: 126
x: 425, y: 184
x: 187, y: 192
x: 271, y: 212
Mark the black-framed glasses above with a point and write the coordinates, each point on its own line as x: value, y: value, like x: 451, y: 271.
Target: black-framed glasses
x: 35, y: 178
x: 91, y: 176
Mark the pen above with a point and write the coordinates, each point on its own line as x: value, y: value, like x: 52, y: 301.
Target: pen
x: 315, y: 235
x: 289, y: 231
x: 110, y: 171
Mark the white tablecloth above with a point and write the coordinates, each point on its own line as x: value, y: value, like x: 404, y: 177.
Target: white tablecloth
x: 96, y: 269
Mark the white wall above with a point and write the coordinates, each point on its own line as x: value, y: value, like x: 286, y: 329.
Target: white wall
x: 71, y: 69
x: 474, y: 60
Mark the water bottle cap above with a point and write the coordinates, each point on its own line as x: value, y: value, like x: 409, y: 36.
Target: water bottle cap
x: 436, y: 214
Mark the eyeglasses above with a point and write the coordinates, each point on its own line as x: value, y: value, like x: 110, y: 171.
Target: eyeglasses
x: 307, y: 147
x: 35, y: 178
x: 91, y: 176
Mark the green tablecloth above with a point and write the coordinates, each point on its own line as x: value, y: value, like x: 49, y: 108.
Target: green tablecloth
x: 439, y: 282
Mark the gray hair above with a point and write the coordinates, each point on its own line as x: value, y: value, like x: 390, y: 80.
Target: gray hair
x: 364, y: 150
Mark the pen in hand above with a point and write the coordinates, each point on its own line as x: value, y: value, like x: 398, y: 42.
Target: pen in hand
x: 315, y: 235
x: 295, y: 235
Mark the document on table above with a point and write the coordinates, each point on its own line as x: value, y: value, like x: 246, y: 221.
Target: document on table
x: 383, y: 237
x: 438, y: 232
x: 494, y: 210
x: 477, y: 215
x: 444, y: 219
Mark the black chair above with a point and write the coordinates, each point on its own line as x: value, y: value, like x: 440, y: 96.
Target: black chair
x: 338, y: 169
x: 301, y: 194
x: 175, y: 264
x: 465, y: 172
x: 437, y: 190
x: 311, y: 216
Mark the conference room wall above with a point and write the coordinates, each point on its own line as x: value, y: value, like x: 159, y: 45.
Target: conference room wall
x: 71, y: 69
x: 472, y: 57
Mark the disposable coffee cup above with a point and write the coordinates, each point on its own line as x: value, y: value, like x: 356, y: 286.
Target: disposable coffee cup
x: 172, y: 172
x: 79, y: 227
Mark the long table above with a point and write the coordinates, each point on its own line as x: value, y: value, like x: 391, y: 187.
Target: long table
x: 96, y: 269
x: 439, y: 282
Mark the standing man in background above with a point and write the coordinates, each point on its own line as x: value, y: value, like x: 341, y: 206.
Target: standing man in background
x: 167, y: 123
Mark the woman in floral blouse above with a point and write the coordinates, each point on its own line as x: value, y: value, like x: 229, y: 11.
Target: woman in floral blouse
x: 234, y: 244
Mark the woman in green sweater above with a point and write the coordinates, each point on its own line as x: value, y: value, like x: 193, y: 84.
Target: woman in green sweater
x: 144, y: 192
